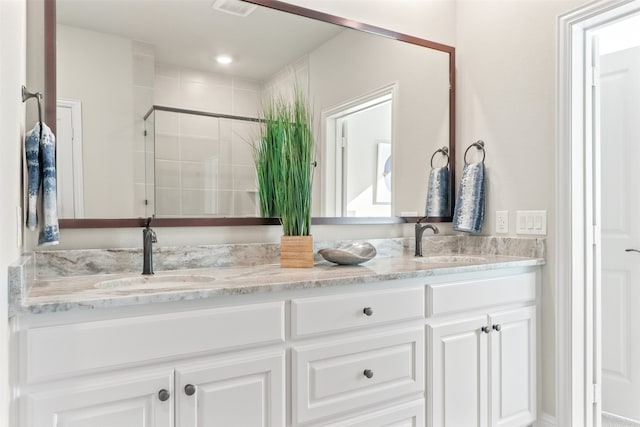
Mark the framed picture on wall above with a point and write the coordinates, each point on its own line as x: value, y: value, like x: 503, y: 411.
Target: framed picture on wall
x: 382, y: 183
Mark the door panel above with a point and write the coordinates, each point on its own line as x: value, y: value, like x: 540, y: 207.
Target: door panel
x: 459, y: 374
x: 233, y: 392
x: 126, y: 401
x: 620, y: 152
x: 513, y: 368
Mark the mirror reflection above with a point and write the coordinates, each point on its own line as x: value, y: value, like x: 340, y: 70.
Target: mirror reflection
x: 381, y: 109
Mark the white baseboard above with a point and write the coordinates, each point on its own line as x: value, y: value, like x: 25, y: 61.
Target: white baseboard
x: 546, y: 420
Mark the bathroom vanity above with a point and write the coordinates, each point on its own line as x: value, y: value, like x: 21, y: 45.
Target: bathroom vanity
x: 438, y: 341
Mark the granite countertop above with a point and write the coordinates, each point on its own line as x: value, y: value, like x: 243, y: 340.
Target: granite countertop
x: 65, y: 293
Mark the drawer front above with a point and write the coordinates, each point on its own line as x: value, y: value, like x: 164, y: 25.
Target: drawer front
x: 317, y: 315
x: 471, y: 295
x: 67, y: 350
x: 349, y: 374
x: 404, y: 415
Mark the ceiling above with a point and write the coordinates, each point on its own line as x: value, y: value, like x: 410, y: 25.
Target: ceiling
x: 191, y: 33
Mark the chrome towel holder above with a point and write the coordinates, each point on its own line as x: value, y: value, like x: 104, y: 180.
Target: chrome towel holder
x: 26, y: 95
x: 479, y: 144
x: 444, y: 151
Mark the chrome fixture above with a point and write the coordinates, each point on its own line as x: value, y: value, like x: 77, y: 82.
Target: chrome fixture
x: 148, y: 239
x: 420, y: 228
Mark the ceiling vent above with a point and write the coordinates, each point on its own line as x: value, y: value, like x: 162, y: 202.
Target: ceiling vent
x: 234, y: 7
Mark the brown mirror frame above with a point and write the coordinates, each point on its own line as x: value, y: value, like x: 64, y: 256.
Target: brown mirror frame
x: 50, y: 115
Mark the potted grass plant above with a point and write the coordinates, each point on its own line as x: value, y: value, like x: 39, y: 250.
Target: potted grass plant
x: 284, y: 166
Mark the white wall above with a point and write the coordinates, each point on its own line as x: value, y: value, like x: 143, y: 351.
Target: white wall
x: 97, y: 69
x: 12, y: 76
x: 506, y: 54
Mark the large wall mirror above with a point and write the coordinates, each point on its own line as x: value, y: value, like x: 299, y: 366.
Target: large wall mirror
x: 151, y: 118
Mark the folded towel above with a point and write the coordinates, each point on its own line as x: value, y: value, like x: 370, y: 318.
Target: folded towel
x: 41, y: 168
x: 438, y: 193
x: 469, y: 210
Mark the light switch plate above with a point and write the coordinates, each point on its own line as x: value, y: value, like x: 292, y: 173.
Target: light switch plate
x: 531, y: 222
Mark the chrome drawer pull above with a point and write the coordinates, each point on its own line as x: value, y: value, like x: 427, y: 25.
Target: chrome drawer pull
x: 368, y: 373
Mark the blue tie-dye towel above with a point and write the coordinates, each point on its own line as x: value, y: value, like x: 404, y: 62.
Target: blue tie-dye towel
x: 438, y: 193
x: 41, y: 169
x: 469, y: 210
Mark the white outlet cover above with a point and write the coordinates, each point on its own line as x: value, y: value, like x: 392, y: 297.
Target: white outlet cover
x: 502, y: 222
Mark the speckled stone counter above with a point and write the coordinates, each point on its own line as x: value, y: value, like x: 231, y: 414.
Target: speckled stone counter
x: 55, y: 281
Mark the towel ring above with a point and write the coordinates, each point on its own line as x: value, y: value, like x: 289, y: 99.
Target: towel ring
x: 444, y: 151
x: 479, y: 144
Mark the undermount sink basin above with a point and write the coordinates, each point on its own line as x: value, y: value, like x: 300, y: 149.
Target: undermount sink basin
x: 451, y: 259
x: 151, y: 281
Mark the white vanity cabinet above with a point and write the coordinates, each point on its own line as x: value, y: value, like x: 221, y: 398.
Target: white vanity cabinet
x: 482, y: 364
x: 446, y: 350
x: 209, y: 367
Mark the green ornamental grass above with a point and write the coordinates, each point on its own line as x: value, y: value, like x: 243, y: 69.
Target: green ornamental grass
x: 284, y: 164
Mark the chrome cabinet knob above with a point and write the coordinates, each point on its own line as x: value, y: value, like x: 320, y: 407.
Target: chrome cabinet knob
x: 497, y: 328
x: 368, y: 311
x: 189, y: 389
x: 164, y: 395
x: 368, y: 373
x: 486, y: 329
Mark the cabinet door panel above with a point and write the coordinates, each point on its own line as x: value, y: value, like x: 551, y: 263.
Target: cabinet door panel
x: 513, y: 368
x: 458, y: 371
x: 130, y: 401
x: 245, y: 392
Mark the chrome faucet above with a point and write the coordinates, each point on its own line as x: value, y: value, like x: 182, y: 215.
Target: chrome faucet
x: 148, y: 239
x: 420, y: 228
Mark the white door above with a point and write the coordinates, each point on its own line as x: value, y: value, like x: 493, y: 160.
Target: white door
x: 127, y: 401
x: 69, y: 159
x: 458, y: 369
x: 232, y: 393
x: 513, y: 367
x: 620, y: 153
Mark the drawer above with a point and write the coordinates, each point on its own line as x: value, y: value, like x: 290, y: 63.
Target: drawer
x: 409, y: 414
x: 317, y: 315
x: 61, y: 351
x: 454, y: 297
x: 334, y: 378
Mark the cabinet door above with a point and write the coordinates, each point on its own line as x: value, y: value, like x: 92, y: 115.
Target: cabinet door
x: 123, y: 401
x: 458, y: 389
x: 232, y: 392
x: 513, y: 367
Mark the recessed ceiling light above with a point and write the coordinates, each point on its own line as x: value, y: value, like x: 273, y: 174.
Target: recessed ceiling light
x: 224, y: 59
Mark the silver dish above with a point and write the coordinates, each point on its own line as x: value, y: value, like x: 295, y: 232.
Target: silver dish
x: 349, y: 253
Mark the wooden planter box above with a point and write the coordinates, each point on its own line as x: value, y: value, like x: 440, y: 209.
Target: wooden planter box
x: 296, y: 251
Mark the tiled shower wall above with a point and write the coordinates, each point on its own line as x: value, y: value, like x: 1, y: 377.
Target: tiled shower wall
x: 204, y: 165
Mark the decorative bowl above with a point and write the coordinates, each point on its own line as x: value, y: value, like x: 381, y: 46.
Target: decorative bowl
x: 349, y: 253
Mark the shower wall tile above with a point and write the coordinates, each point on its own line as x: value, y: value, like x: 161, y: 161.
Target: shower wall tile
x: 168, y: 201
x: 199, y: 126
x: 167, y: 146
x: 244, y: 178
x: 198, y: 148
x: 168, y: 173
x: 143, y: 70
x: 246, y: 103
x: 197, y: 175
x: 167, y: 91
